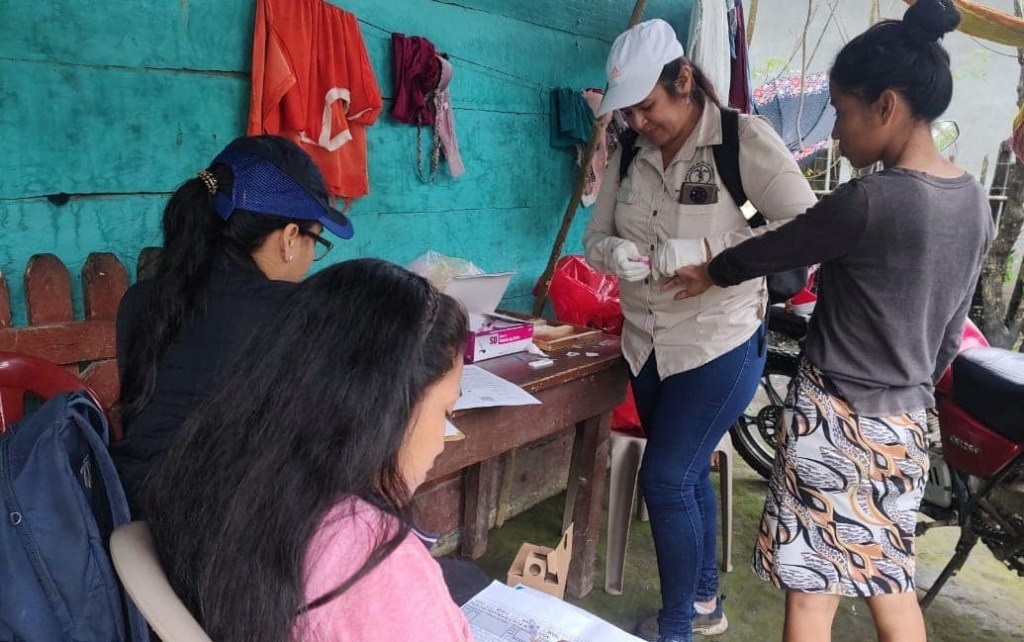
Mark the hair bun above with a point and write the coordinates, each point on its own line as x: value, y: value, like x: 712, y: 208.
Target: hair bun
x: 927, y: 21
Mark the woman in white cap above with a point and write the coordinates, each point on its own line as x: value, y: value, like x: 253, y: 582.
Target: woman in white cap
x: 694, y: 363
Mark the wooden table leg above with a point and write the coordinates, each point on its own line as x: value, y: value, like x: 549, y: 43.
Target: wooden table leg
x: 572, y: 487
x: 479, y: 496
x: 589, y: 476
x: 505, y: 488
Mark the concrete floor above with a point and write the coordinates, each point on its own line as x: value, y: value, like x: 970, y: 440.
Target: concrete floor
x: 984, y: 602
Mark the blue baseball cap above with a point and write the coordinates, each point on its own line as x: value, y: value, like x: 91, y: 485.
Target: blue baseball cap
x: 260, y: 185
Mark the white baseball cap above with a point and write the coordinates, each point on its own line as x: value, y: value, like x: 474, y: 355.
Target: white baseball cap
x: 635, y: 63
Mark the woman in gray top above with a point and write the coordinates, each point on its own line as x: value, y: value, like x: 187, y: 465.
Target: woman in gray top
x: 900, y: 251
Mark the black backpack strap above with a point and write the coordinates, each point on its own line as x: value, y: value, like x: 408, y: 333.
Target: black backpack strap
x: 727, y: 162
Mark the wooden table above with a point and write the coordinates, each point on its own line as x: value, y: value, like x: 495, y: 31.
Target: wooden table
x: 576, y: 393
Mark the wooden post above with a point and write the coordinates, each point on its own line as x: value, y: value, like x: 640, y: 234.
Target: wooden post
x: 5, y: 304
x: 590, y: 491
x: 505, y: 488
x: 479, y: 490
x: 596, y: 133
x: 751, y: 21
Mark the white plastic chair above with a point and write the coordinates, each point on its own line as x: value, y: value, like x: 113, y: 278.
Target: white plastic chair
x: 136, y: 563
x: 626, y: 454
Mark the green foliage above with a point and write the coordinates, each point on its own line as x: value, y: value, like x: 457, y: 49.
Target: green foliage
x: 771, y: 69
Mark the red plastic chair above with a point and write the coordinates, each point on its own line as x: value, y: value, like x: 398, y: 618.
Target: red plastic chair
x: 21, y: 374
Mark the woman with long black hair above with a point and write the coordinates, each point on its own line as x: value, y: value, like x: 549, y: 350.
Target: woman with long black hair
x: 281, y: 512
x: 237, y: 237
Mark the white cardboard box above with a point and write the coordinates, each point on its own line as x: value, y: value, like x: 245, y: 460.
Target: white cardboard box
x: 490, y: 334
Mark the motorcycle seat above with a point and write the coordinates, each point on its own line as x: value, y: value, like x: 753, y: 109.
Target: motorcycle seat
x: 989, y: 384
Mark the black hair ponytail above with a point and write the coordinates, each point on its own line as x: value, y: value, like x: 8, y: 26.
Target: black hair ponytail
x: 191, y: 241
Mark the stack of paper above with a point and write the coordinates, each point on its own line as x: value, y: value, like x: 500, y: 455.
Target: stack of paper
x: 503, y: 614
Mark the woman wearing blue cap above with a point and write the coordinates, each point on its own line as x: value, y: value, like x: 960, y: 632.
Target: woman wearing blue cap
x: 694, y: 363
x: 236, y: 238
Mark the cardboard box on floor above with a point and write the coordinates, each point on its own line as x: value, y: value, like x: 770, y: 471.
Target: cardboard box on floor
x: 543, y: 568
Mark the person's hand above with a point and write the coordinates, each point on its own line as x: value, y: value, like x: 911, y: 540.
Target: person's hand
x: 692, y: 280
x: 673, y: 254
x: 628, y: 263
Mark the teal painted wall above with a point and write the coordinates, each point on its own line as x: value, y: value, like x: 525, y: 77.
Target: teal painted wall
x: 115, y: 103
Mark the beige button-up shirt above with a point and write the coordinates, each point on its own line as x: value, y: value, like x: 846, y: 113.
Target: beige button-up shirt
x: 644, y: 208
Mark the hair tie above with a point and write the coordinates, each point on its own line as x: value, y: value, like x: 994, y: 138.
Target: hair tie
x: 209, y: 180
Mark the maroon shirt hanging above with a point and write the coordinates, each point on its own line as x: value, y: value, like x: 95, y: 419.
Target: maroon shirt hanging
x: 417, y: 71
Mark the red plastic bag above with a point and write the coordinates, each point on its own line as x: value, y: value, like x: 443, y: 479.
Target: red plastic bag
x: 625, y: 417
x: 581, y: 295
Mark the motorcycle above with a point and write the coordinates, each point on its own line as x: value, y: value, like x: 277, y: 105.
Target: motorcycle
x: 975, y: 435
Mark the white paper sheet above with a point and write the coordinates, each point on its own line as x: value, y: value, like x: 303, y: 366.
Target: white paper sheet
x: 503, y: 614
x: 451, y: 432
x: 482, y: 389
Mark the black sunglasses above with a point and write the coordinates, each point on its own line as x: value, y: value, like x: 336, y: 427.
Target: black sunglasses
x: 323, y: 246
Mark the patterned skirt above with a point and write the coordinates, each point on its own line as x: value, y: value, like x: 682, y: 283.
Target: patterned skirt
x: 843, y: 497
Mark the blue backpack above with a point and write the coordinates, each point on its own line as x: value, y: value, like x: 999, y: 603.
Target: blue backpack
x: 61, y: 499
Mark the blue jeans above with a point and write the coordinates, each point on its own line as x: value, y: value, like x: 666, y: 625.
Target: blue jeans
x: 684, y: 417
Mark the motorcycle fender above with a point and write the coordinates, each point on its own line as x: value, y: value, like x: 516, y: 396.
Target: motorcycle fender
x: 970, y: 446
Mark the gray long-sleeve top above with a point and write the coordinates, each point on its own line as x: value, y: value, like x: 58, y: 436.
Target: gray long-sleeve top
x: 900, y: 252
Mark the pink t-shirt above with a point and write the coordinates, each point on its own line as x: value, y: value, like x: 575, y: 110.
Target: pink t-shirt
x: 402, y: 598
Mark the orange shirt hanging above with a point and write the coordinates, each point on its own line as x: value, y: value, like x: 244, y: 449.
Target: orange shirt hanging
x: 312, y: 82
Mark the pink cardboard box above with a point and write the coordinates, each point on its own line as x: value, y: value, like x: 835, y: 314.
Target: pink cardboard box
x: 490, y: 334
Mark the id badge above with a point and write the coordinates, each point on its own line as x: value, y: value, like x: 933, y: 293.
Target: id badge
x: 698, y: 194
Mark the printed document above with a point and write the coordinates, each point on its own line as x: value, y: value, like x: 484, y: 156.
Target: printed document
x: 503, y: 614
x: 482, y: 389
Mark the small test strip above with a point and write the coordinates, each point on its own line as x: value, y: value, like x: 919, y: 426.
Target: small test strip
x: 541, y: 363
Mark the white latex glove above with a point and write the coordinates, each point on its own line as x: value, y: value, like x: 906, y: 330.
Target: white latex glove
x: 629, y: 264
x: 673, y: 254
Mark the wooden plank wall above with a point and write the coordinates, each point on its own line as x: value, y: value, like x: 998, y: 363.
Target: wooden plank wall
x: 107, y: 107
